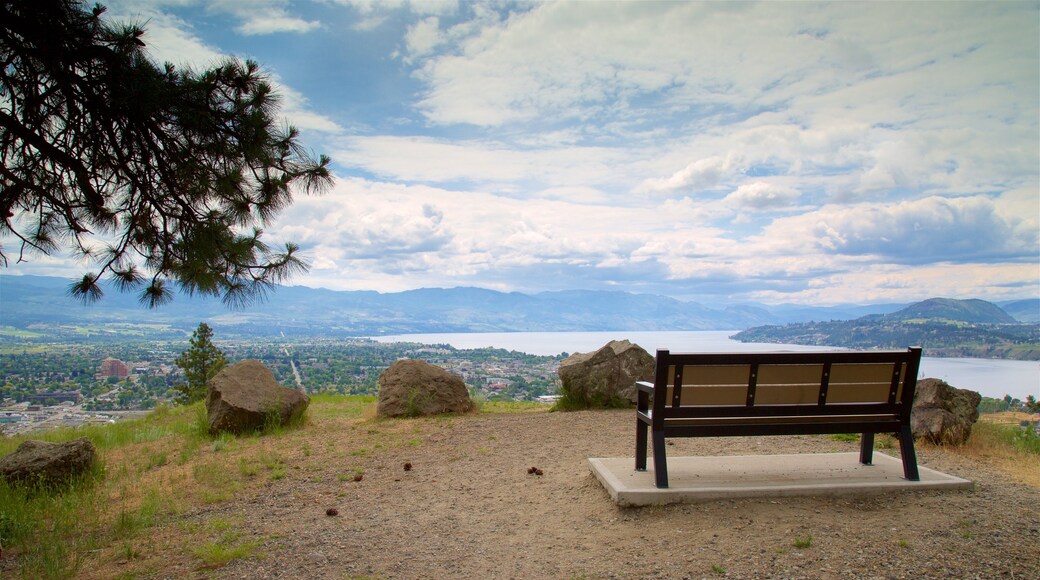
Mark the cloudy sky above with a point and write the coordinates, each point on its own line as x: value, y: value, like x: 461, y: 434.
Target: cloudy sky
x: 719, y: 152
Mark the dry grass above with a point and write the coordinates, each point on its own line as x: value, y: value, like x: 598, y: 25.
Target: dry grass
x: 165, y: 465
x: 1007, y: 418
x: 998, y: 441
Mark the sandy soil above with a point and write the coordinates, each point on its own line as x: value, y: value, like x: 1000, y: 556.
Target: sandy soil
x: 468, y: 508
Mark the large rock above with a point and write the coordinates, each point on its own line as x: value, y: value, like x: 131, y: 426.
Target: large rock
x: 246, y: 397
x: 607, y: 376
x: 48, y: 463
x: 414, y: 387
x: 943, y: 414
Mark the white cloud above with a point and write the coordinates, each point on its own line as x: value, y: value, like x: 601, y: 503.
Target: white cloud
x: 762, y: 195
x: 275, y: 22
x: 701, y: 174
x: 423, y: 37
x: 296, y: 108
x: 167, y: 37
x: 263, y: 16
x: 435, y: 7
x: 895, y: 96
x: 420, y: 7
x: 881, y: 283
x: 424, y: 159
x: 969, y: 229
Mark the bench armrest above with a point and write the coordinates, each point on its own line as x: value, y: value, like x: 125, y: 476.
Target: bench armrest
x: 644, y: 393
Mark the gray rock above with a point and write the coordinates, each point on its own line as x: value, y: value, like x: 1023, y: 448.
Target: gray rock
x: 604, y: 377
x: 246, y: 397
x: 942, y: 414
x: 48, y: 463
x: 414, y: 387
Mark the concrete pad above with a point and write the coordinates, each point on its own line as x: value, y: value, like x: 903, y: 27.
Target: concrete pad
x: 694, y: 479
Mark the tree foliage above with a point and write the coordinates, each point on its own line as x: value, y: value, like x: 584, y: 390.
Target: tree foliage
x: 1032, y: 405
x: 155, y: 173
x: 200, y: 363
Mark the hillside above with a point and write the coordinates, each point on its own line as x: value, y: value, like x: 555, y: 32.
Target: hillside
x: 176, y: 503
x: 972, y: 311
x: 944, y: 327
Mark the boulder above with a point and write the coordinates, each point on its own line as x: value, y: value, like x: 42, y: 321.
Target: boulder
x: 607, y: 376
x: 48, y: 463
x: 246, y: 397
x: 413, y: 387
x: 942, y: 414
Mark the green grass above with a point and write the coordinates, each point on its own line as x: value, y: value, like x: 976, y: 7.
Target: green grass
x: 227, y: 546
x: 40, y: 524
x: 1025, y: 440
x: 802, y: 543
x: 152, y: 469
x: 216, y: 483
x: 881, y: 440
x: 222, y: 441
x: 12, y: 332
x: 162, y: 422
x: 569, y: 401
x: 156, y: 460
x: 274, y: 463
x: 513, y: 407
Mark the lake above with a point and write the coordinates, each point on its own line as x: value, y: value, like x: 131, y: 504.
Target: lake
x: 990, y: 377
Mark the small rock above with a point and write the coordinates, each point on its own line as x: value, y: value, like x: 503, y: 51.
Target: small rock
x: 332, y: 512
x: 43, y: 461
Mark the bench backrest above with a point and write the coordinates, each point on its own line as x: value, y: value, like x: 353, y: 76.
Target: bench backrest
x: 801, y: 383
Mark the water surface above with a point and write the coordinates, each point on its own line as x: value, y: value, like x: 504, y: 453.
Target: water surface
x: 990, y: 377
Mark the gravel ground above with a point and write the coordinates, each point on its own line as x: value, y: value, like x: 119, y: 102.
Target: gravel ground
x: 469, y: 508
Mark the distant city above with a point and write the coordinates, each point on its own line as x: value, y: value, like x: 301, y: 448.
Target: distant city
x: 72, y: 385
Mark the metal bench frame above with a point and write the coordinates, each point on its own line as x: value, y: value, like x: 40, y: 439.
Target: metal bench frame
x: 663, y: 407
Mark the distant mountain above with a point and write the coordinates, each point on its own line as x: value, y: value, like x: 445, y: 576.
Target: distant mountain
x: 975, y: 311
x: 944, y: 327
x: 38, y: 306
x: 1023, y: 310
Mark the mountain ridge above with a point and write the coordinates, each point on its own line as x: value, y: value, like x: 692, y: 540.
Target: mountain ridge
x: 40, y: 304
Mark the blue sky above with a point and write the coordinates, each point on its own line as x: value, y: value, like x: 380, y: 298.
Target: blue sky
x: 721, y: 152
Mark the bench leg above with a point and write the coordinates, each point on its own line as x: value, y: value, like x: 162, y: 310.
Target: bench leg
x: 866, y: 449
x: 906, y: 450
x: 641, y: 429
x: 660, y: 463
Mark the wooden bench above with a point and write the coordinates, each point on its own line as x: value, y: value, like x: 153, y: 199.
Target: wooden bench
x: 786, y: 393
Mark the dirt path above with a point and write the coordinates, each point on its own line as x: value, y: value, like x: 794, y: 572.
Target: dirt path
x: 468, y: 508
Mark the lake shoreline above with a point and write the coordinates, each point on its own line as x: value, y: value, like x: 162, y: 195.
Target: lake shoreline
x: 990, y: 377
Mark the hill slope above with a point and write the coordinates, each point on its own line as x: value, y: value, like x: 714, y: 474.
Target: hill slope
x: 974, y: 311
x: 944, y: 327
x: 174, y: 503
